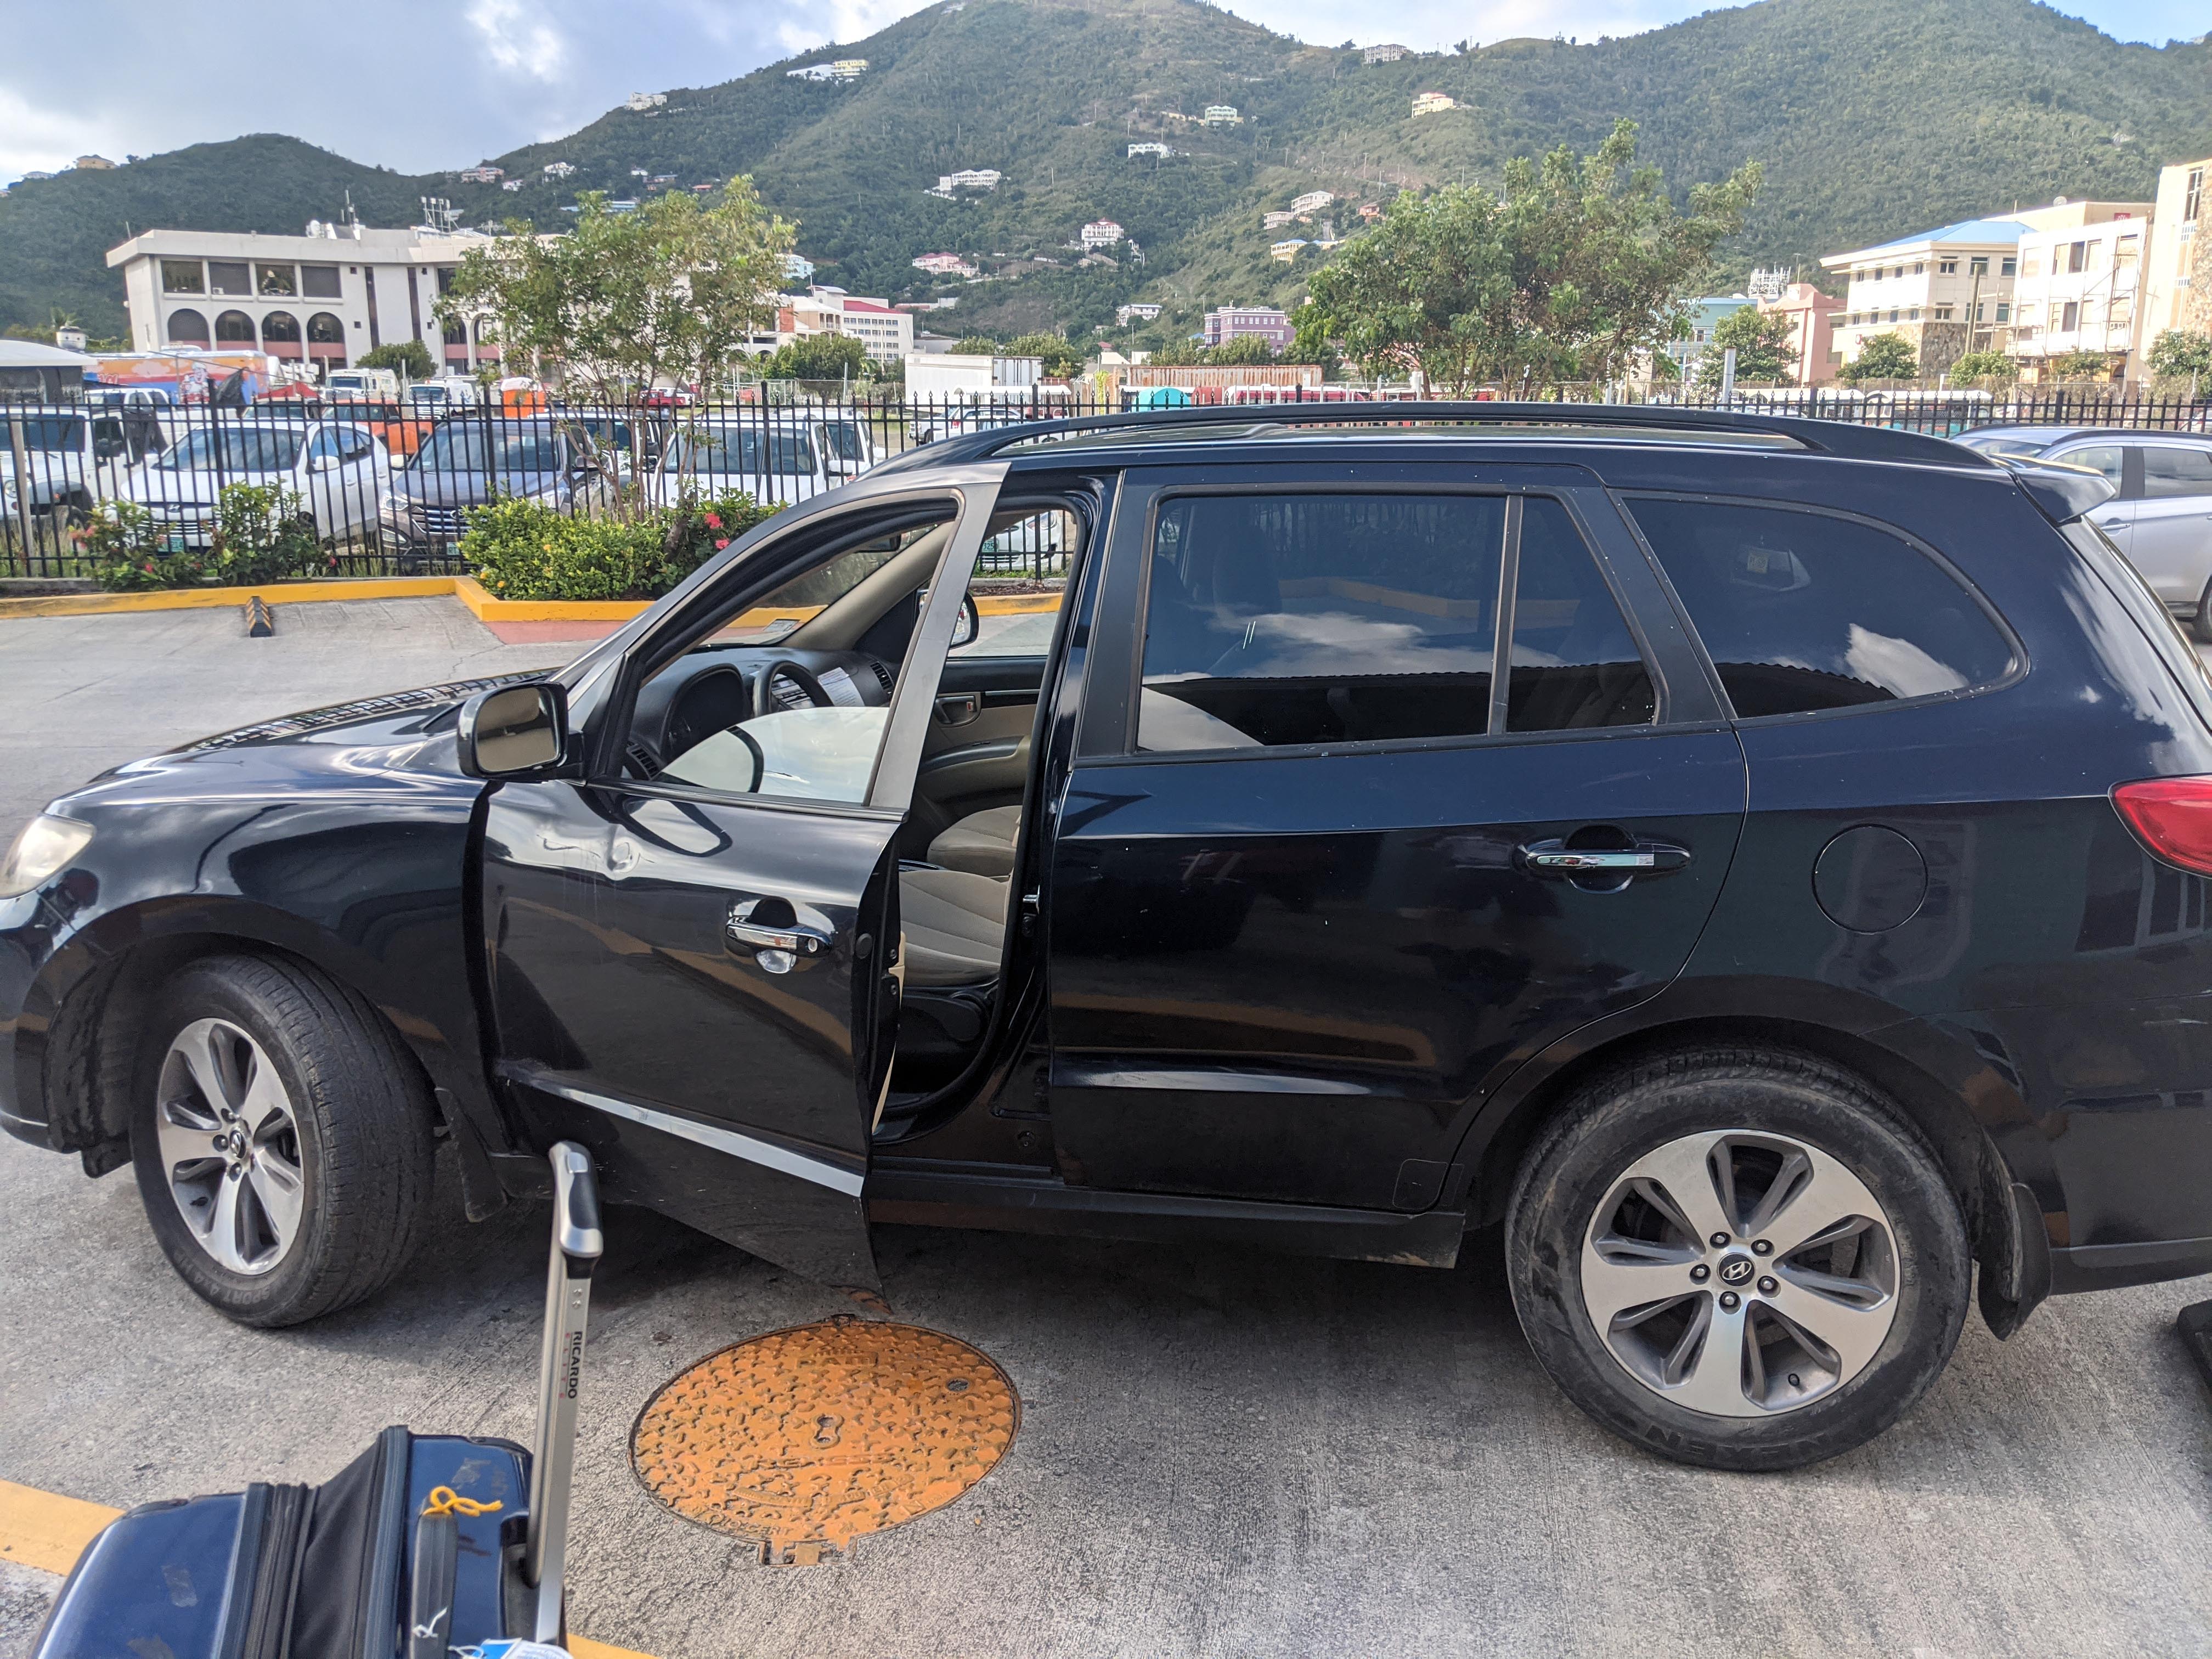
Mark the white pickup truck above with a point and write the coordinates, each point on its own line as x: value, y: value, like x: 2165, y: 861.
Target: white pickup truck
x: 72, y: 456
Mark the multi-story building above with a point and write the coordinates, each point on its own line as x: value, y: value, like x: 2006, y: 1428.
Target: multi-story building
x: 1222, y: 115
x: 1101, y: 233
x: 2080, y: 286
x: 944, y: 264
x: 642, y: 101
x: 2175, y: 294
x: 557, y: 170
x: 884, y: 331
x: 1276, y: 218
x: 1948, y: 291
x: 968, y: 178
x: 1147, y: 148
x: 483, y: 175
x: 322, y: 299
x: 1433, y: 103
x: 1389, y: 53
x: 512, y: 184
x: 798, y: 268
x: 1312, y: 201
x: 1287, y: 250
x: 95, y: 164
x: 1228, y: 322
x: 1812, y: 317
x: 1138, y: 311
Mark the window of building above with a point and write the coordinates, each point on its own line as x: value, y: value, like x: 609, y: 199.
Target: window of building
x: 1981, y: 313
x: 1299, y: 619
x: 2008, y: 266
x: 2033, y: 267
x: 2070, y: 317
x: 1892, y: 313
x: 1978, y: 265
x: 2077, y: 257
x: 320, y: 282
x: 1942, y: 313
x: 1919, y: 266
x: 1913, y: 315
x: 2193, y: 197
x: 188, y: 327
x: 325, y: 329
x: 229, y: 277
x: 235, y: 328
x: 1947, y: 268
x: 276, y: 281
x: 280, y: 328
x: 1803, y: 610
x: 2004, y: 311
x: 2128, y: 250
x: 183, y: 276
x: 2171, y: 469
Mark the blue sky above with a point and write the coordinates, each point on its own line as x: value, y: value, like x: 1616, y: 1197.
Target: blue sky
x: 424, y: 84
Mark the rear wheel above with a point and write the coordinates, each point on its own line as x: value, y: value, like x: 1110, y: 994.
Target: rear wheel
x: 281, y: 1140
x: 1742, y: 1259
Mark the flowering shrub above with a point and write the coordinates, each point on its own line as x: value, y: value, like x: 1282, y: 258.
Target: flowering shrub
x: 259, y: 536
x: 526, y: 549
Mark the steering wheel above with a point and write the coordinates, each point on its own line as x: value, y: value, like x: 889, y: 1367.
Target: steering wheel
x: 764, y: 678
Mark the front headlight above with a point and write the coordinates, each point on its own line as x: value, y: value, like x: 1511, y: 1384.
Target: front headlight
x: 41, y: 852
x: 392, y: 506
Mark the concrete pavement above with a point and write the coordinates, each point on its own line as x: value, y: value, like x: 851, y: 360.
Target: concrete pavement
x: 1220, y: 1453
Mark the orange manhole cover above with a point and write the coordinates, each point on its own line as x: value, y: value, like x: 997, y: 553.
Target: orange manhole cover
x: 808, y: 1438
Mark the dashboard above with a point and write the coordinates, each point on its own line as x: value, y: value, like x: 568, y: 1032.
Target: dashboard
x: 710, y: 690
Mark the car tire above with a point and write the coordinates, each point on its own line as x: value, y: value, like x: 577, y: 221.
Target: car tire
x: 281, y: 1140
x: 1827, y: 1346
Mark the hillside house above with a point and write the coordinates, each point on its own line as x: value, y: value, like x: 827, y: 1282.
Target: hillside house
x: 1287, y: 250
x: 1433, y: 103
x: 1222, y: 115
x: 513, y: 184
x: 483, y: 175
x: 1101, y: 233
x: 1139, y: 311
x: 1388, y: 53
x: 639, y: 102
x: 944, y: 264
x: 557, y: 170
x: 1312, y: 201
x: 1276, y: 218
x: 1148, y: 148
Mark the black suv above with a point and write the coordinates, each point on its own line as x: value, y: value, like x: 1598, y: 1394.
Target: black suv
x: 1815, y: 909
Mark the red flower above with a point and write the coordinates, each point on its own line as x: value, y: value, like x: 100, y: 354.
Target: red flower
x: 714, y: 522
x: 722, y: 543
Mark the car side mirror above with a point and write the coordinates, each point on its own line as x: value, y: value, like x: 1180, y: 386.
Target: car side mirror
x: 517, y: 731
x: 969, y: 623
x: 322, y: 463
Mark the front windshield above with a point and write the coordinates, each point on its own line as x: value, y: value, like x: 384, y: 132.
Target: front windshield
x: 465, y: 446
x: 746, y: 451
x: 64, y: 433
x: 242, y: 449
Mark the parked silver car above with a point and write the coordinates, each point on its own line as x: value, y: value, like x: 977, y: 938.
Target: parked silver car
x: 2161, y: 519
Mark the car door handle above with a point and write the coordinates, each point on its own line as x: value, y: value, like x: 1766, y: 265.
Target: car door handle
x: 958, y: 707
x: 800, y: 938
x: 1645, y: 858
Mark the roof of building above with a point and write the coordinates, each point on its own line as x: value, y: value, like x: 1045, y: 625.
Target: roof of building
x: 29, y: 354
x: 1996, y: 232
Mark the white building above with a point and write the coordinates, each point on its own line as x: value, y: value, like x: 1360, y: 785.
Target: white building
x: 884, y: 331
x: 1390, y: 53
x: 1949, y: 291
x: 557, y: 170
x: 1276, y: 218
x: 1222, y: 115
x: 483, y: 175
x: 1147, y: 148
x: 1433, y: 103
x: 513, y: 183
x: 1140, y: 310
x: 798, y: 268
x: 1101, y: 233
x: 944, y: 264
x: 642, y: 101
x: 325, y: 299
x: 2172, y: 298
x: 969, y: 179
x: 2080, y: 286
x: 845, y: 68
x: 1312, y: 201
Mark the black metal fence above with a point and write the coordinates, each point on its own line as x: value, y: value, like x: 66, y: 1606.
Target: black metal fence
x: 380, y: 488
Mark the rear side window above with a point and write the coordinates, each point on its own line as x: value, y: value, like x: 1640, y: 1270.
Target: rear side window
x: 2173, y: 469
x: 1802, y: 611
x: 2107, y: 458
x: 1276, y: 620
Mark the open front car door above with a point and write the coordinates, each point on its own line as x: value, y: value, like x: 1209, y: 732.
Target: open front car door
x: 692, y: 942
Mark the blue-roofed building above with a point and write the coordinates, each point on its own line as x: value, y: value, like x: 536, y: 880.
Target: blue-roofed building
x: 1948, y: 290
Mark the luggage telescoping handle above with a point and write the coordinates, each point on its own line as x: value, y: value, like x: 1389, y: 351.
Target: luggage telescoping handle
x: 577, y: 1244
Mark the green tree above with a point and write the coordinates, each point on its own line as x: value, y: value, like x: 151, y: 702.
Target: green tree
x: 1180, y: 354
x: 2080, y: 365
x: 411, y: 357
x: 2180, y: 353
x: 1882, y: 357
x: 1577, y: 267
x: 1062, y: 358
x: 973, y: 345
x: 819, y: 357
x: 1242, y: 349
x: 1988, y: 369
x: 669, y: 292
x: 1765, y: 355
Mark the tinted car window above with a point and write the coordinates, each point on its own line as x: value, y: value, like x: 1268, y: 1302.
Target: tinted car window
x: 1293, y: 619
x: 745, y: 449
x: 245, y: 449
x: 2098, y: 458
x: 2172, y: 470
x: 468, y: 447
x: 1806, y: 610
x: 1575, y: 664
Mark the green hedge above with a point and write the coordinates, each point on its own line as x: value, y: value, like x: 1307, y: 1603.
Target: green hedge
x: 260, y: 535
x: 525, y: 550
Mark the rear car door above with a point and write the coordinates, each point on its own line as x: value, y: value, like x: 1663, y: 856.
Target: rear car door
x: 2171, y: 541
x: 1321, y: 877
x: 2123, y: 464
x: 699, y: 982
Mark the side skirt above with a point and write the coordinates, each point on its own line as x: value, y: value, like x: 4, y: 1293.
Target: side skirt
x: 915, y: 1194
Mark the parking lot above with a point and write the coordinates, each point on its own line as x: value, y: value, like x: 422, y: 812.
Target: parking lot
x: 1219, y: 1452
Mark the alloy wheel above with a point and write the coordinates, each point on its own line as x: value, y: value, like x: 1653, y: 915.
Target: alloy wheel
x: 230, y: 1146
x: 1739, y: 1273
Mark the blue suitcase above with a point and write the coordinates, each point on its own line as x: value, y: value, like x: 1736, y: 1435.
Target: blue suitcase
x: 422, y: 1544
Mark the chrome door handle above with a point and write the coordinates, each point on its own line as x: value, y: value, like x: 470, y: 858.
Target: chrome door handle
x: 800, y: 938
x: 1645, y: 858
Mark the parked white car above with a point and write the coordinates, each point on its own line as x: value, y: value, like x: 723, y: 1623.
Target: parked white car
x: 771, y: 456
x: 73, y: 456
x: 338, y: 469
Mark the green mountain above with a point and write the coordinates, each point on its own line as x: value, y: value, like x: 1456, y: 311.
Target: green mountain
x: 1874, y: 118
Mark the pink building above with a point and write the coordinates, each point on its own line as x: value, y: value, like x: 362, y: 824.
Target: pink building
x: 1229, y: 321
x: 1812, y: 316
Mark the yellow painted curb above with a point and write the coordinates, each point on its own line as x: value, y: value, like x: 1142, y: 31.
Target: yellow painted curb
x: 44, y: 1529
x: 1015, y: 605
x: 216, y: 598
x: 488, y: 607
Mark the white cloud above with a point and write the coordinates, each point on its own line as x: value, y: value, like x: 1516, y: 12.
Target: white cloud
x: 38, y: 140
x: 517, y: 41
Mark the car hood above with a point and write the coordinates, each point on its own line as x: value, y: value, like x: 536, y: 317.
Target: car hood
x: 399, y: 742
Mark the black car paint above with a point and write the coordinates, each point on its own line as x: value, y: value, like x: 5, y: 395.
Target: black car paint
x: 2045, y: 936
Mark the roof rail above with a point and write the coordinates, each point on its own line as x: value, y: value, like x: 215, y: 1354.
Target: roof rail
x: 1838, y: 438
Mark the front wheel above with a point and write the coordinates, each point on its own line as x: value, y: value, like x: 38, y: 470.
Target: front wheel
x: 1740, y: 1259
x: 281, y: 1140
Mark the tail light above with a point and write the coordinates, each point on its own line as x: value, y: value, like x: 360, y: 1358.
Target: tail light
x: 2171, y: 816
